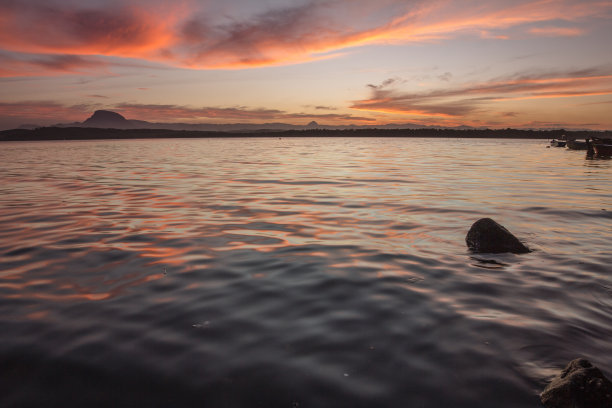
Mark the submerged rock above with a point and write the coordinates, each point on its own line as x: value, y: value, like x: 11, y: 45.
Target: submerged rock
x: 580, y: 385
x: 487, y: 236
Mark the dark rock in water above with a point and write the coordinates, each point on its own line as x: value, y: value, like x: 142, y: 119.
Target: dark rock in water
x: 580, y: 385
x: 487, y: 236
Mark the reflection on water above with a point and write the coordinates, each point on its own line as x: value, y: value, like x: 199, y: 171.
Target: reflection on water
x: 297, y: 272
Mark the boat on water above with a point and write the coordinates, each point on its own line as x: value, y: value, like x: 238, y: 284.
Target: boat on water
x: 602, y: 147
x: 574, y: 144
x: 557, y: 143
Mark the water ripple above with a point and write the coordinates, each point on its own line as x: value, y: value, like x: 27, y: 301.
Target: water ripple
x: 297, y: 272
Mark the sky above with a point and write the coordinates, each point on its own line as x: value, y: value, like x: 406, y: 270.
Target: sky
x: 495, y: 63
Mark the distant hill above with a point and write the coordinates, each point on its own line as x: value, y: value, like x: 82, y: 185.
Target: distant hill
x: 105, y: 119
x: 112, y: 120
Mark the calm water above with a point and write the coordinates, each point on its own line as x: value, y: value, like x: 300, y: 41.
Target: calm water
x: 297, y: 272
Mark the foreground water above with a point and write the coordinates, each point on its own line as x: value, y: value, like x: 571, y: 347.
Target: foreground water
x: 297, y: 272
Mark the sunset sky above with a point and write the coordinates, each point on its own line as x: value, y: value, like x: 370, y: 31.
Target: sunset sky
x: 496, y: 63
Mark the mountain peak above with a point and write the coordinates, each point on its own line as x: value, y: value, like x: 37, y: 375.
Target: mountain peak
x: 104, y: 118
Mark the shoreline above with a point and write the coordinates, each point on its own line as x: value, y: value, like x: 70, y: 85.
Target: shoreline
x: 84, y: 133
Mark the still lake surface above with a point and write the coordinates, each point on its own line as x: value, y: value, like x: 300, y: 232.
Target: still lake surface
x: 297, y: 272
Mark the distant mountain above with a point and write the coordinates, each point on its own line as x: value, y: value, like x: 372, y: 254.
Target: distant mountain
x: 112, y: 120
x: 106, y: 119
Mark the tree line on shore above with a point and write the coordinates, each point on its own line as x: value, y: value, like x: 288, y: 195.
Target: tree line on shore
x: 80, y: 133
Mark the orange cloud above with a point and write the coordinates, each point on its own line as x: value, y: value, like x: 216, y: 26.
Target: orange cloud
x: 49, y: 28
x: 178, y: 113
x: 557, y: 31
x: 462, y: 101
x: 190, y: 34
x: 543, y: 95
x: 449, y: 19
x: 45, y: 113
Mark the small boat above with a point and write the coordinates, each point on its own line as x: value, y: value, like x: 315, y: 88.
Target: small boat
x: 557, y: 143
x: 602, y: 147
x: 574, y: 144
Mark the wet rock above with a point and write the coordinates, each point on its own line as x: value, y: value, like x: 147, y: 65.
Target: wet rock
x: 487, y: 236
x: 580, y: 385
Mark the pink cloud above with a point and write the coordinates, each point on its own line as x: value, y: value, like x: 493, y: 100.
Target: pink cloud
x: 53, y: 28
x: 13, y: 114
x: 557, y: 31
x: 470, y: 98
x: 20, y: 65
x: 43, y: 110
x: 190, y: 34
x: 179, y: 113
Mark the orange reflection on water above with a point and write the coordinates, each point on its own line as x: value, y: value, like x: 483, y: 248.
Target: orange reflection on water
x: 37, y: 315
x: 25, y: 285
x: 15, y: 272
x: 509, y: 319
x: 73, y: 291
x: 166, y: 255
x: 59, y: 297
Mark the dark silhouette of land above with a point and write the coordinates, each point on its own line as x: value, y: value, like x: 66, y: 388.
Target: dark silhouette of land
x: 80, y: 133
x: 108, y: 119
x: 111, y: 125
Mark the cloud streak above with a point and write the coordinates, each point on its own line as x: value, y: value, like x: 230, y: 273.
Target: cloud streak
x: 179, y: 113
x: 470, y: 98
x: 557, y: 31
x: 34, y: 26
x: 22, y: 65
x: 189, y: 34
x: 42, y: 113
x: 43, y: 110
x: 13, y: 114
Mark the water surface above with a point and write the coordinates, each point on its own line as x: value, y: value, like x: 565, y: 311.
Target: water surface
x: 297, y: 272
